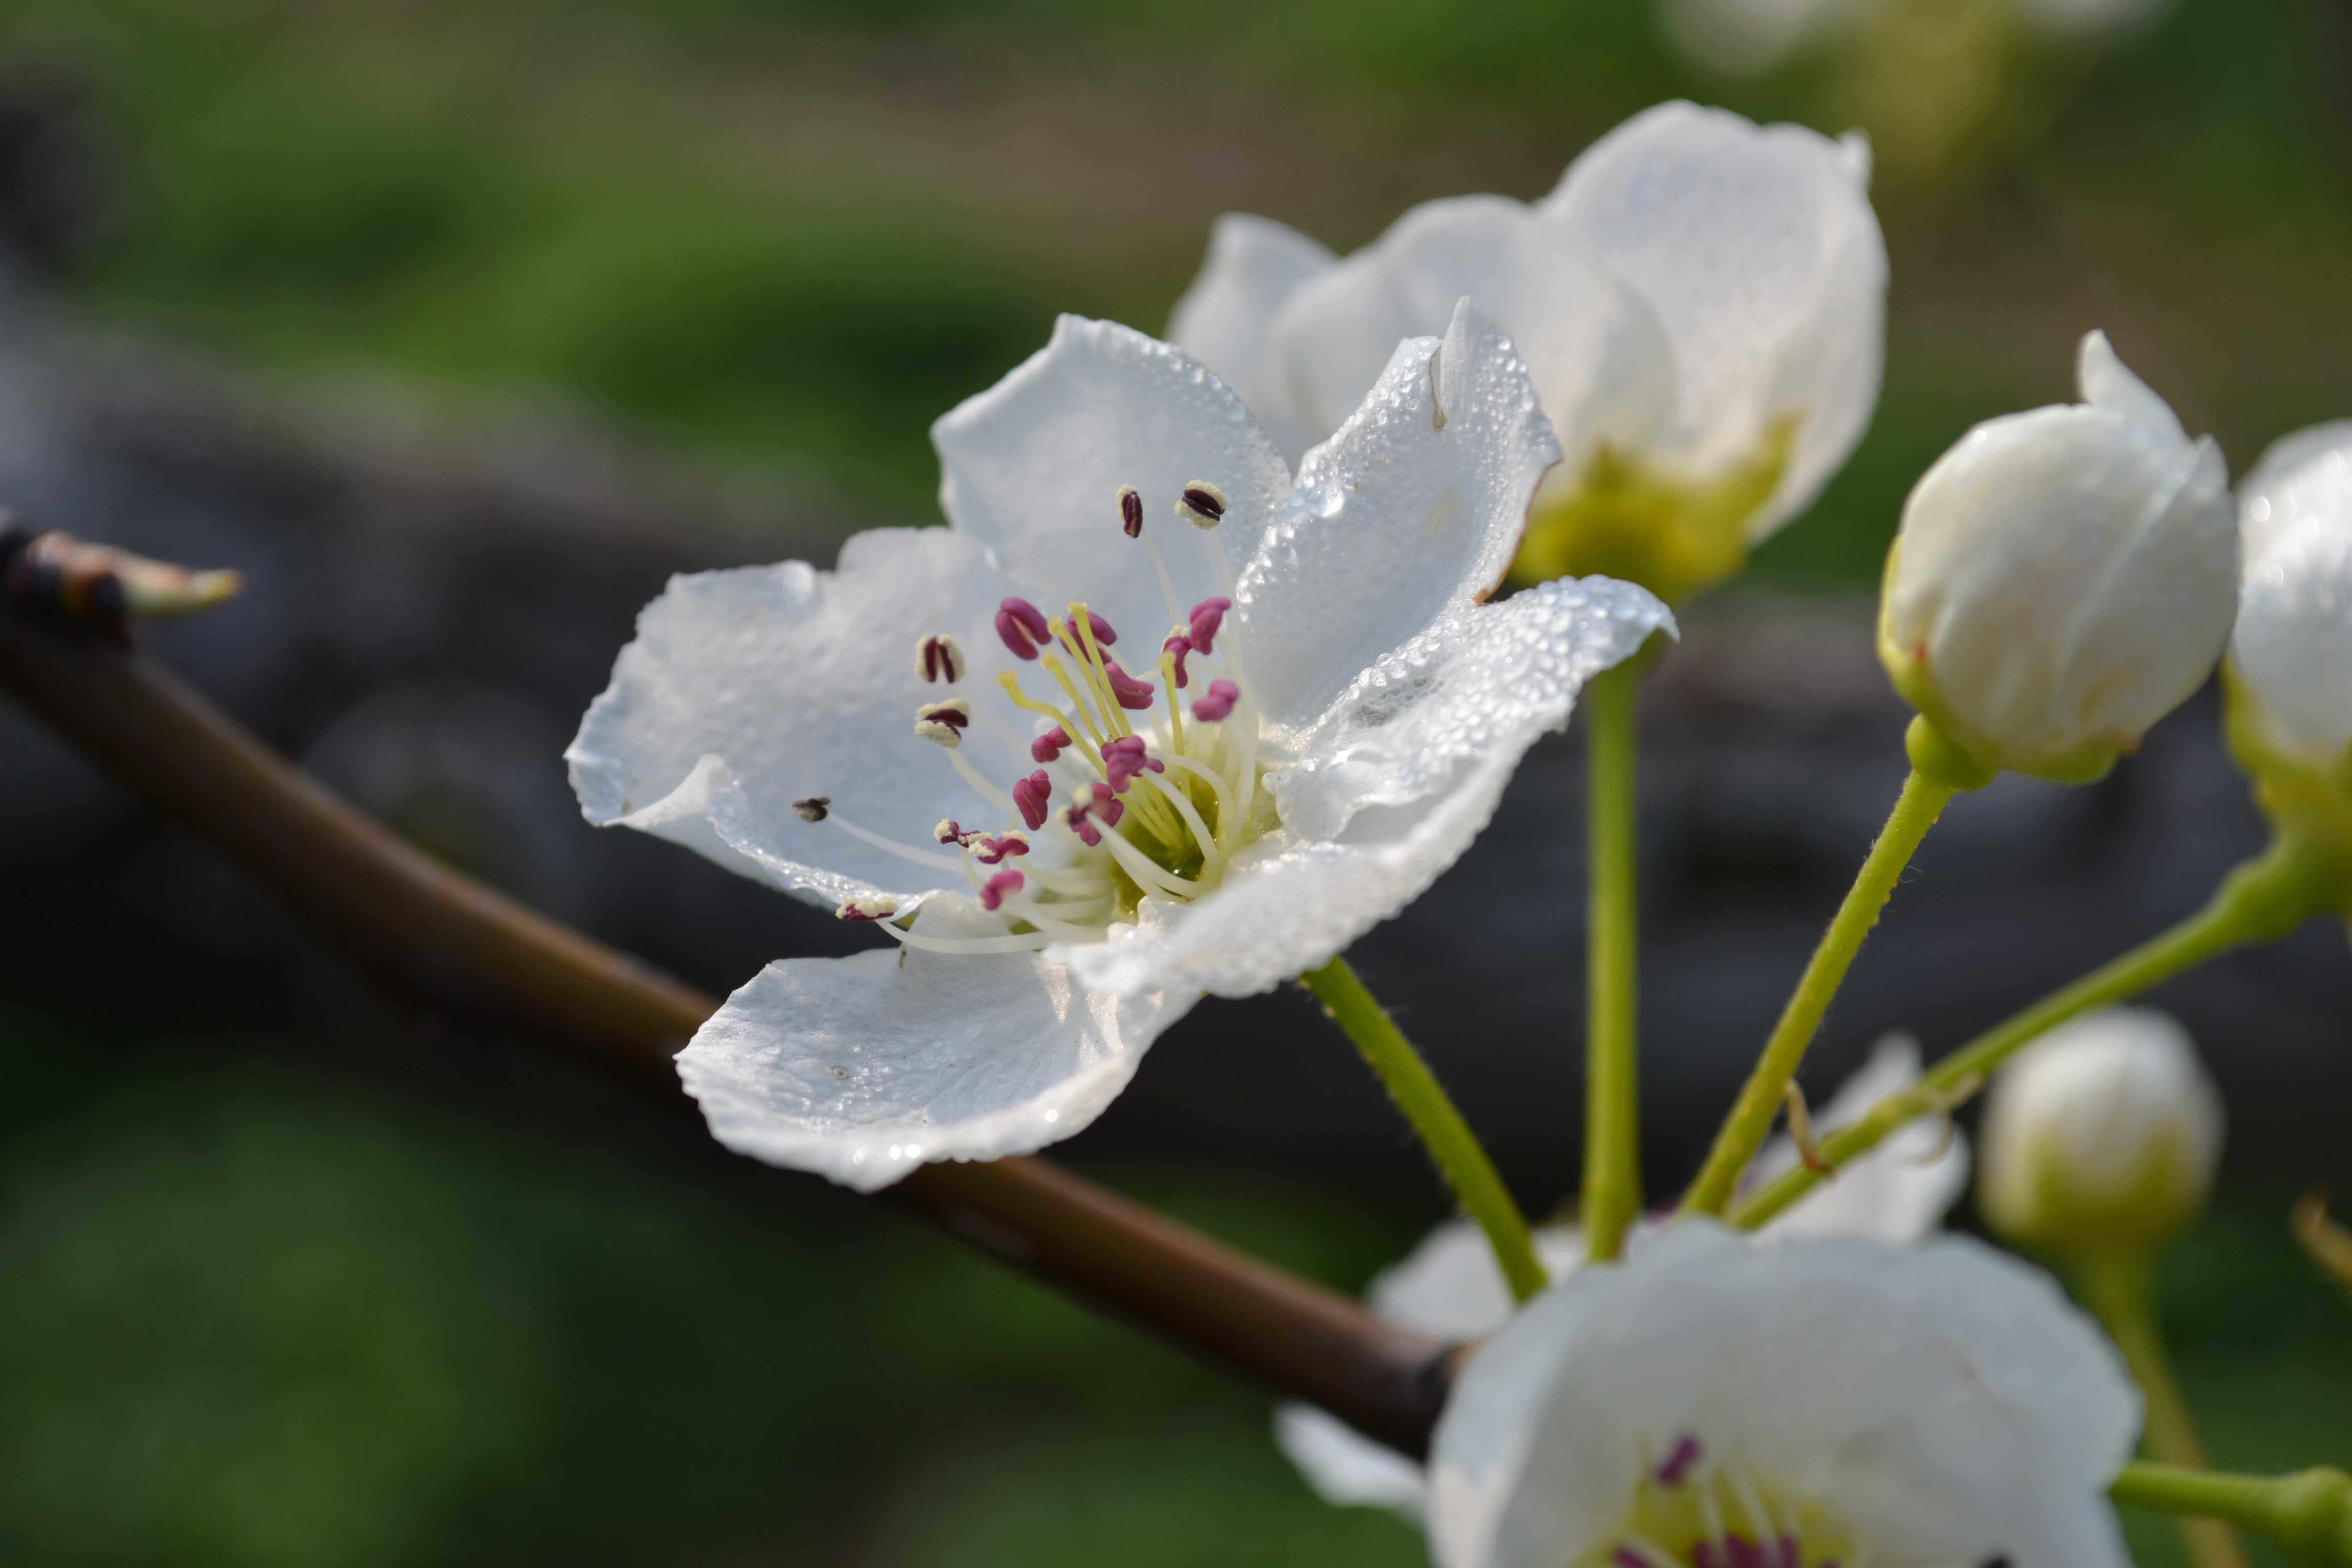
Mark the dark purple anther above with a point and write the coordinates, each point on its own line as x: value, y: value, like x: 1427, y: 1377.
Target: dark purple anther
x: 1030, y: 796
x: 1786, y: 1555
x: 1022, y: 625
x: 1181, y: 647
x: 1124, y: 758
x: 949, y: 831
x: 1105, y: 635
x: 937, y: 657
x: 813, y: 808
x: 1048, y: 746
x: 1081, y: 824
x: 1676, y: 1465
x: 990, y: 850
x: 1133, y: 694
x: 1130, y: 512
x: 1218, y: 704
x: 1626, y: 1557
x: 1207, y: 616
x: 997, y: 889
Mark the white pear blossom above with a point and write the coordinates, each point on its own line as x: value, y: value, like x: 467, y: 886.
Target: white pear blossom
x: 2062, y: 578
x: 1150, y: 720
x: 2293, y: 645
x: 1701, y: 302
x: 1822, y: 1402
x: 1450, y: 1287
x: 2103, y: 1135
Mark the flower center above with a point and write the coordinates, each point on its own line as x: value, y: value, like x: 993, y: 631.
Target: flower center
x: 1140, y: 788
x: 1689, y: 1513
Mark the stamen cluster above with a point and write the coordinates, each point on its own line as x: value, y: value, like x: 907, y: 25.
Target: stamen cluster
x: 1130, y: 797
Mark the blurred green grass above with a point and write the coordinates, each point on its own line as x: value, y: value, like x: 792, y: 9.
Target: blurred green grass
x: 789, y: 236
x: 255, y: 1314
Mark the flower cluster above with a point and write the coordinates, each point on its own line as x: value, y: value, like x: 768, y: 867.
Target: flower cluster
x: 1207, y: 679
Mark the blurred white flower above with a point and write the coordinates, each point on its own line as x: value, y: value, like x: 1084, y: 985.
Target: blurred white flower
x: 2062, y: 578
x: 2102, y: 1136
x: 1701, y: 302
x: 2293, y: 645
x: 1751, y: 37
x: 1450, y: 1287
x: 1822, y: 1400
x: 1065, y: 852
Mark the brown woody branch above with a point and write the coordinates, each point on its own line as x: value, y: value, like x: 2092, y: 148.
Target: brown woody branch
x: 431, y: 937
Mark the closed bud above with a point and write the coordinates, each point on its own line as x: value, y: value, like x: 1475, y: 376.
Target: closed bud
x: 2100, y: 1137
x: 2062, y: 578
x: 2291, y: 655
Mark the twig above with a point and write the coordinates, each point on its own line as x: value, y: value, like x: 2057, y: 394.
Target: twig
x: 435, y: 938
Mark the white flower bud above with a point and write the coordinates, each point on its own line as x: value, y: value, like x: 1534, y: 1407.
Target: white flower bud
x: 2062, y: 579
x: 2293, y: 646
x: 2103, y: 1136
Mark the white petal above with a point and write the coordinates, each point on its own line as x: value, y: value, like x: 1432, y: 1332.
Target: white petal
x: 2292, y: 642
x: 861, y: 1069
x: 1758, y: 248
x: 1226, y: 318
x: 746, y: 690
x: 1945, y: 1399
x: 1415, y: 508
x: 2307, y: 472
x: 1396, y: 782
x: 1899, y: 1191
x: 1597, y: 353
x: 2107, y: 383
x: 1449, y: 1287
x: 1346, y: 1468
x: 1033, y: 468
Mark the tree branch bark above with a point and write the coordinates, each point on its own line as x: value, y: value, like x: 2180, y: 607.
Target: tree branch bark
x: 436, y: 938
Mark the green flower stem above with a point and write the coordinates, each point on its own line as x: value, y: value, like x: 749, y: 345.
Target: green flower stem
x: 2120, y: 1291
x: 2307, y: 1514
x: 2261, y: 900
x: 1744, y: 1131
x: 1448, y: 1138
x: 1612, y: 1143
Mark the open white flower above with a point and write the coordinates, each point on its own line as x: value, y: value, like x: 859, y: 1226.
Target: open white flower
x: 1822, y: 1401
x: 1450, y: 1287
x: 1066, y: 849
x: 1701, y: 302
x: 2291, y: 648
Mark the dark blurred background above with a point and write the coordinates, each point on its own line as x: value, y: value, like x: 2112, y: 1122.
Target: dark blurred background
x: 458, y: 327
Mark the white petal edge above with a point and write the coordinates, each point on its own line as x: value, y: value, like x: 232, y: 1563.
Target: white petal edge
x: 860, y: 1069
x: 1759, y: 250
x: 744, y: 690
x: 1226, y: 317
x: 1413, y: 509
x: 1032, y: 469
x: 1900, y: 1190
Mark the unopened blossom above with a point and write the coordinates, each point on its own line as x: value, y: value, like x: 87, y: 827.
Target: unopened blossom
x: 2062, y: 578
x: 1818, y: 1402
x: 2102, y: 1136
x: 2292, y: 649
x: 1353, y: 712
x: 1451, y: 1288
x: 1700, y: 301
